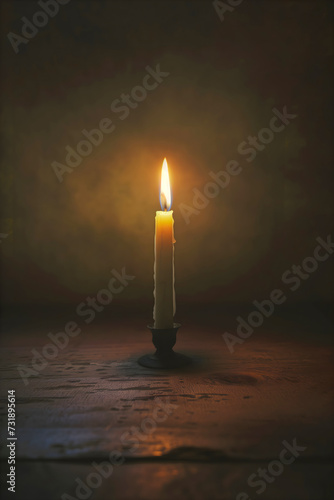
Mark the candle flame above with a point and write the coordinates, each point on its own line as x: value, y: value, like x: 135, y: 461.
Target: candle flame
x: 165, y: 192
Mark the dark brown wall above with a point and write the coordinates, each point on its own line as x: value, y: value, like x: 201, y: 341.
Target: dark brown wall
x: 225, y: 79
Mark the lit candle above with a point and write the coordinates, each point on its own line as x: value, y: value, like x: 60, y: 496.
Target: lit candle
x: 164, y: 295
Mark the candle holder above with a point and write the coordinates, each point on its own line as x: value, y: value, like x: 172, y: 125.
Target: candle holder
x: 164, y: 340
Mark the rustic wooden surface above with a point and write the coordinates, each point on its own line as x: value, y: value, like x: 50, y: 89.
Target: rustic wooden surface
x: 169, y: 481
x: 232, y: 413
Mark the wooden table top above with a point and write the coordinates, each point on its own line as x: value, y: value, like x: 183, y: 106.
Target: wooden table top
x: 195, y: 432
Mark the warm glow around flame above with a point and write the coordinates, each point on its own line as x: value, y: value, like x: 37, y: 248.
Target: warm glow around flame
x: 165, y: 193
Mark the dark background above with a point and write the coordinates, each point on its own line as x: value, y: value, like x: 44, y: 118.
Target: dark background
x: 225, y: 78
x: 59, y: 243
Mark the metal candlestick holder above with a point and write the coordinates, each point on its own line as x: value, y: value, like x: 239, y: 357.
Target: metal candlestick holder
x: 164, y: 340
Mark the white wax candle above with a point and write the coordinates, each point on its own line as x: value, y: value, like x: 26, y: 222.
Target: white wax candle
x: 164, y: 294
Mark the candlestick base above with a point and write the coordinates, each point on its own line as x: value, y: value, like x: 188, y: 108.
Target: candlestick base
x: 164, y: 340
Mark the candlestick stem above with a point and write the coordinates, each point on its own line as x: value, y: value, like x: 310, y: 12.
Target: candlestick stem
x: 164, y: 357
